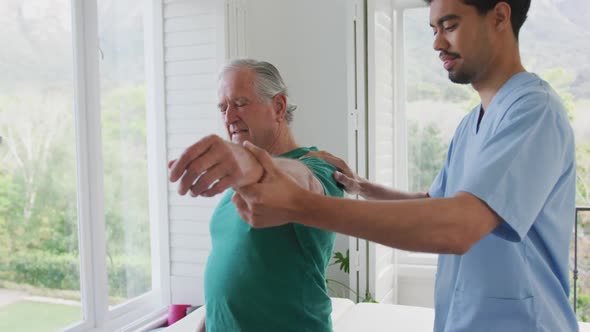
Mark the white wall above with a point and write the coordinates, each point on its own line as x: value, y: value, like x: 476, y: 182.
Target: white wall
x: 306, y: 41
x: 416, y: 290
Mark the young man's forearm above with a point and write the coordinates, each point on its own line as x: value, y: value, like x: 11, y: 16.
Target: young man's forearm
x: 375, y: 191
x: 440, y: 225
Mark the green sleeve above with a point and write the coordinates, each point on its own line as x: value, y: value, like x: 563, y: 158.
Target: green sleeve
x: 324, y: 172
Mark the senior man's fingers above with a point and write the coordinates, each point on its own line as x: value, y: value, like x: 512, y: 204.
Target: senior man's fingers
x: 191, y: 153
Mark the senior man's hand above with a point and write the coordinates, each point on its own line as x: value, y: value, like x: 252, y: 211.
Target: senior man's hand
x: 273, y: 201
x: 212, y: 165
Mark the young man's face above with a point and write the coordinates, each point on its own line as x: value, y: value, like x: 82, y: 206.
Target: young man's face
x: 245, y: 114
x: 462, y: 38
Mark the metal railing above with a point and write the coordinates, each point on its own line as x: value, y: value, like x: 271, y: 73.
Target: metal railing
x: 578, y: 210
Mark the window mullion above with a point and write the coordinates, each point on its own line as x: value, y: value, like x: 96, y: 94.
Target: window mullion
x: 157, y: 143
x: 94, y: 286
x: 400, y: 150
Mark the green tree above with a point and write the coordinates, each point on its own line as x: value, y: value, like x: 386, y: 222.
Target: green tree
x: 561, y: 80
x: 125, y: 169
x: 427, y: 153
x: 35, y: 128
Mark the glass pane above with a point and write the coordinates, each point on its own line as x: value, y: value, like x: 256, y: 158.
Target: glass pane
x: 556, y: 45
x: 39, y: 255
x: 124, y: 148
x: 582, y: 284
x: 434, y: 105
x: 568, y: 71
x: 434, y: 109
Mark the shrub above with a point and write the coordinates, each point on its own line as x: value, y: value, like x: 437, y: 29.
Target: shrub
x: 128, y: 276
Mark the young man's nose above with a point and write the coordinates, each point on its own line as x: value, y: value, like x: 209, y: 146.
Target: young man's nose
x: 440, y: 43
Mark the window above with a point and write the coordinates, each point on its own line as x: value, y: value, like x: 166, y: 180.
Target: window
x: 75, y: 215
x: 39, y: 246
x: 124, y: 151
x: 580, y: 262
x: 433, y: 107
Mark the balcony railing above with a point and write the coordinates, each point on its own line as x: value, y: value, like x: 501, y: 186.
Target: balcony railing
x: 578, y: 210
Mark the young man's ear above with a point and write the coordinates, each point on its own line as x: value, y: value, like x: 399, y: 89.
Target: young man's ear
x: 279, y: 103
x: 502, y: 14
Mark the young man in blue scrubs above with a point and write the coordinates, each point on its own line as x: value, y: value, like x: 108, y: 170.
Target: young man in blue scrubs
x: 501, y: 210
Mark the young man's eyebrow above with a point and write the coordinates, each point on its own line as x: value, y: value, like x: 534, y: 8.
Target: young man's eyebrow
x: 446, y: 18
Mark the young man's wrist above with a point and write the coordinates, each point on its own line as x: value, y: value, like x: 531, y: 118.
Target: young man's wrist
x: 303, y: 203
x: 364, y: 188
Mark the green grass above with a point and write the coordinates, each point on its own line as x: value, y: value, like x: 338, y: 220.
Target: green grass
x: 27, y: 316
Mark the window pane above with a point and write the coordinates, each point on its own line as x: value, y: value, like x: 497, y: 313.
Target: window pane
x: 124, y: 148
x: 39, y: 256
x: 582, y: 284
x: 555, y: 43
x: 434, y: 105
x: 562, y: 57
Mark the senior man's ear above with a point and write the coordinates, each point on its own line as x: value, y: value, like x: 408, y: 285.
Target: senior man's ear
x: 280, y: 105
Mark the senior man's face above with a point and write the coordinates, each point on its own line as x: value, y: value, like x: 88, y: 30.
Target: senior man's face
x: 245, y: 114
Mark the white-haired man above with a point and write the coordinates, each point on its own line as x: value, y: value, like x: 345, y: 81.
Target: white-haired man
x: 258, y: 280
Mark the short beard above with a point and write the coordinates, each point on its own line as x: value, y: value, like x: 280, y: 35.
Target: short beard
x: 464, y: 77
x: 461, y: 77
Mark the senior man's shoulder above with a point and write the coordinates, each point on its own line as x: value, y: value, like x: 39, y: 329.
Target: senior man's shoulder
x: 323, y: 171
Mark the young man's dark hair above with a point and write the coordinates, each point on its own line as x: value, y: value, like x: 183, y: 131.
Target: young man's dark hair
x: 519, y: 9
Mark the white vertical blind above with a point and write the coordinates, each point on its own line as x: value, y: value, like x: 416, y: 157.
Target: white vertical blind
x: 194, y: 49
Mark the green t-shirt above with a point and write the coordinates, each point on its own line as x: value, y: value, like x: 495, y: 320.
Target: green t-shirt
x: 270, y: 279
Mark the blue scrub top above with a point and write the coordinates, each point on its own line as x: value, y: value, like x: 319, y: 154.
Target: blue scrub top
x: 521, y: 163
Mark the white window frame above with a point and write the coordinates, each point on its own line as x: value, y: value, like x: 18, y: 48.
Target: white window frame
x: 359, y: 278
x: 409, y: 263
x: 151, y: 306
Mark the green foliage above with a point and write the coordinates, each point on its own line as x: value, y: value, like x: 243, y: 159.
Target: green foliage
x: 368, y: 298
x: 426, y: 157
x: 38, y: 182
x: 127, y: 277
x: 8, y: 210
x: 125, y: 165
x: 37, y: 169
x: 344, y: 265
x: 39, y: 268
x: 343, y: 260
x: 38, y: 204
x: 583, y: 174
x: 446, y: 92
x: 423, y: 91
x: 583, y: 306
x: 454, y: 93
x: 561, y: 79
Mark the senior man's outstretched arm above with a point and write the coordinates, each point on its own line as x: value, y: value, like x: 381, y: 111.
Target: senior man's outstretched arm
x: 213, y: 165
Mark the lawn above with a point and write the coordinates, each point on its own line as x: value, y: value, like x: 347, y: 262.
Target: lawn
x: 27, y: 316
